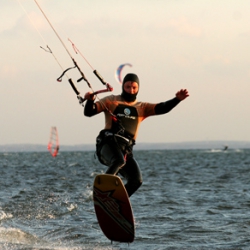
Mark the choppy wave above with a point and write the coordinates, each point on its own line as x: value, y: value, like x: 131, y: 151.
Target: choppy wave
x: 190, y: 199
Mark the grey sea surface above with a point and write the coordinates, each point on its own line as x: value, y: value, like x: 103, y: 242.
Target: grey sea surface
x: 190, y: 199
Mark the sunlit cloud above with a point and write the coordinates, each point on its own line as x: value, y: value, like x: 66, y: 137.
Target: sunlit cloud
x: 8, y: 71
x: 26, y: 24
x: 219, y: 59
x: 184, y: 27
x: 183, y: 61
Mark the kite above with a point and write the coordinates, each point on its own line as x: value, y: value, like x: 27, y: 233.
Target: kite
x: 118, y: 75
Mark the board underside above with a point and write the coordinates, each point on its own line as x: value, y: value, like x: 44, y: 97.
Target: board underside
x: 113, y: 209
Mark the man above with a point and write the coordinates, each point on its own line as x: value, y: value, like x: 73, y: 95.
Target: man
x: 123, y: 115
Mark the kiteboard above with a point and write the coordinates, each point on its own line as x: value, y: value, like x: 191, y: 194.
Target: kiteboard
x: 113, y: 209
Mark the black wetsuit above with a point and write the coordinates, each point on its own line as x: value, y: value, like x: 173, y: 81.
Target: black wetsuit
x: 114, y: 144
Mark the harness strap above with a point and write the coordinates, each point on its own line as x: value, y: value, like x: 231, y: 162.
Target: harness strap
x: 129, y: 141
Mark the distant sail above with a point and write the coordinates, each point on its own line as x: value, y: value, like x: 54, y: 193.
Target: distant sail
x: 53, y: 145
x: 118, y: 72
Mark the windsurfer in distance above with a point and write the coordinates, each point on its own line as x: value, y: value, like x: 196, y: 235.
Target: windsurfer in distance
x: 123, y: 115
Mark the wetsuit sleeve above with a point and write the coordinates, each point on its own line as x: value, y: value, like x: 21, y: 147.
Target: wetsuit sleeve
x: 90, y: 108
x: 165, y: 107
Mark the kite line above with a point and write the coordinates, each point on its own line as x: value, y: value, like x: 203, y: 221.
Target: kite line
x: 108, y: 87
x: 59, y: 79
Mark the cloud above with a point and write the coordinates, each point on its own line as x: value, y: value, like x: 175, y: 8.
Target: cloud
x: 8, y: 71
x: 216, y: 59
x: 183, y: 27
x: 26, y: 24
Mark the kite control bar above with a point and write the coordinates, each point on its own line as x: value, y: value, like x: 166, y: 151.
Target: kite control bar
x: 82, y: 100
x: 74, y: 87
x: 98, y: 76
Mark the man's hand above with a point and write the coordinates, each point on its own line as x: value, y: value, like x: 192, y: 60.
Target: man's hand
x: 89, y: 96
x: 182, y: 94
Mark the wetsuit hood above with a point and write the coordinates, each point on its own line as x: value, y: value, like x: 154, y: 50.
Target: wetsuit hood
x: 127, y: 96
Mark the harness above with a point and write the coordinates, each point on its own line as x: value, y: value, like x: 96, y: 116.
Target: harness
x: 106, y: 136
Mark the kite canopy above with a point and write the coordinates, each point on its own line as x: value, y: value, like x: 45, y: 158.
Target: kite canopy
x: 118, y: 72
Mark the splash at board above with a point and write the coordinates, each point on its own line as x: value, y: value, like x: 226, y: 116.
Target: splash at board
x: 53, y: 145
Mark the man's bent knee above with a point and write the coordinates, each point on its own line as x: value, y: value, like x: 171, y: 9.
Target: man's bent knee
x: 115, y: 166
x: 132, y: 186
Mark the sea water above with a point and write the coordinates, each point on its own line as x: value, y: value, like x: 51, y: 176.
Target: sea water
x: 189, y: 199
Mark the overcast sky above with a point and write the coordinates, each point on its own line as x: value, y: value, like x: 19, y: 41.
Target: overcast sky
x: 172, y: 44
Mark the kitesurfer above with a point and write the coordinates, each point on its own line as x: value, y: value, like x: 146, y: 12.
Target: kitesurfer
x: 123, y: 115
